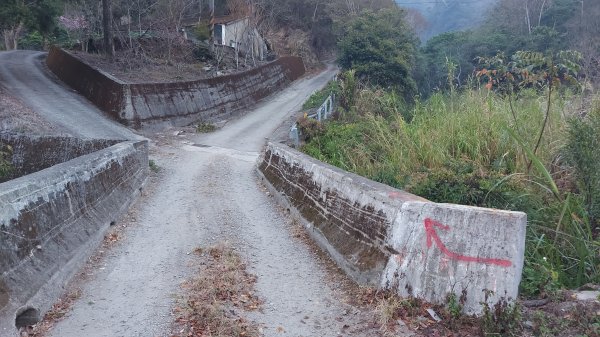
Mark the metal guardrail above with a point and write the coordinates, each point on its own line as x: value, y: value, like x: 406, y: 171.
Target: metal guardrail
x: 323, y: 112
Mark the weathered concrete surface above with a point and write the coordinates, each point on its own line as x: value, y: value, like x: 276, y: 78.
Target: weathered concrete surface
x: 105, y: 91
x: 34, y: 153
x: 348, y: 215
x: 428, y: 250
x: 451, y: 249
x: 177, y: 103
x: 51, y: 220
x: 24, y: 75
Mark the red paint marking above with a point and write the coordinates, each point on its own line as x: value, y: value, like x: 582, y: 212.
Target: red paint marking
x: 433, y: 236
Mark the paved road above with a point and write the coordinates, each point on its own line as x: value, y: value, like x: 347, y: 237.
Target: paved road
x: 24, y: 75
x: 206, y: 193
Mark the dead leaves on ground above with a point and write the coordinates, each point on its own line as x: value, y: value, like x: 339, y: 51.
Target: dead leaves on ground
x: 215, y: 298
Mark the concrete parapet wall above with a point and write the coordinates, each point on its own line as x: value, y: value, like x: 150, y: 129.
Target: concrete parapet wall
x: 350, y: 216
x: 51, y: 220
x: 106, y: 92
x: 35, y: 153
x: 176, y: 103
x: 392, y: 239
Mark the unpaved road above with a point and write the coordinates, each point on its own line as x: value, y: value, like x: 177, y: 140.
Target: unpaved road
x: 207, y: 193
x: 23, y: 74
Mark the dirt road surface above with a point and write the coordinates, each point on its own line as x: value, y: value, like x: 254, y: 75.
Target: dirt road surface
x: 207, y: 192
x: 23, y: 74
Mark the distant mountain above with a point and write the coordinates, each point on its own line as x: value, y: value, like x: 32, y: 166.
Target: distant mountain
x: 448, y: 15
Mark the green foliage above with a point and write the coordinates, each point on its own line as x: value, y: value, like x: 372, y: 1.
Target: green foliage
x: 502, y: 319
x: 33, y: 40
x: 381, y: 48
x: 526, y: 69
x: 202, y: 31
x: 318, y: 97
x: 12, y: 13
x: 6, y: 167
x: 348, y: 90
x: 469, y: 148
x: 38, y: 15
x: 583, y: 154
x: 454, y: 306
x: 153, y: 166
x: 205, y: 127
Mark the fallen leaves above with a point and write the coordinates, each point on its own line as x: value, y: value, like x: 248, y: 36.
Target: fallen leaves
x: 215, y: 298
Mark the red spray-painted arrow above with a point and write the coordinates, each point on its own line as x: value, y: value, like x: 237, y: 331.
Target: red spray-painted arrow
x: 433, y: 236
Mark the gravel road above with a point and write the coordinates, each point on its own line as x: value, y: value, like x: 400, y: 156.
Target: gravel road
x: 207, y: 192
x: 23, y: 73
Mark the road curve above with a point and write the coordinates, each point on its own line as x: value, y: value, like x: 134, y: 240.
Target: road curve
x: 24, y: 74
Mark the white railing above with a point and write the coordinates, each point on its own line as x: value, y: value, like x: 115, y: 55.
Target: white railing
x: 323, y: 112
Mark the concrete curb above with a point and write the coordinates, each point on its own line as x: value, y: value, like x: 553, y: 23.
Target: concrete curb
x: 51, y: 221
x: 394, y: 240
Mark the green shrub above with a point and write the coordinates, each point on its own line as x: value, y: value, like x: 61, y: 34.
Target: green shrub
x: 583, y: 153
x: 202, y: 31
x: 318, y: 97
x: 6, y: 167
x: 501, y: 319
x: 456, y: 149
x: 33, y: 40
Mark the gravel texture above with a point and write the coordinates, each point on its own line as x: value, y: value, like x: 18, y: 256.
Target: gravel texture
x: 24, y: 75
x: 207, y: 192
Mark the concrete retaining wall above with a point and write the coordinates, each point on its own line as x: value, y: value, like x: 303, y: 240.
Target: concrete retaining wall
x: 105, y: 91
x: 35, y: 153
x: 177, y: 103
x: 51, y: 220
x: 389, y: 238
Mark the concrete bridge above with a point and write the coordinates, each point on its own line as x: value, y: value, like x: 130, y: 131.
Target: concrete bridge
x: 231, y: 185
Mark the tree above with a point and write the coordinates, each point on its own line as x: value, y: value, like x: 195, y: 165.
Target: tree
x: 381, y: 48
x: 17, y: 15
x: 109, y: 47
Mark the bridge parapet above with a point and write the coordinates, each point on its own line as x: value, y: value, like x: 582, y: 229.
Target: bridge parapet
x: 392, y: 239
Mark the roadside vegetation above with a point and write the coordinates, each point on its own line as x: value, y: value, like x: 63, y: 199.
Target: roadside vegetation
x: 501, y: 116
x: 6, y: 167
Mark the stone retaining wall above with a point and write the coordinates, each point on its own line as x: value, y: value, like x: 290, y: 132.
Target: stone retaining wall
x: 176, y: 103
x: 51, y: 220
x: 391, y: 239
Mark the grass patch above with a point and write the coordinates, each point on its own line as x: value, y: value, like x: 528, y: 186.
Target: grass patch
x: 563, y: 318
x: 474, y: 148
x: 153, y: 166
x: 6, y: 167
x: 213, y: 299
x: 318, y: 97
x: 205, y: 127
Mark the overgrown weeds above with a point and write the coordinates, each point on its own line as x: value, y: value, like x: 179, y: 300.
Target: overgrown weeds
x: 205, y: 127
x: 6, y: 167
x: 153, y: 166
x: 213, y: 300
x: 501, y: 319
x: 477, y: 148
x: 318, y: 97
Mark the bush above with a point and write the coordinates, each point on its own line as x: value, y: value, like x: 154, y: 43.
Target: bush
x: 456, y: 149
x: 33, y: 40
x: 202, y: 31
x: 6, y: 167
x: 583, y: 153
x: 318, y: 97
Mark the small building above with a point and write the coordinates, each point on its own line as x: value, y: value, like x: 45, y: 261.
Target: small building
x: 240, y: 35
